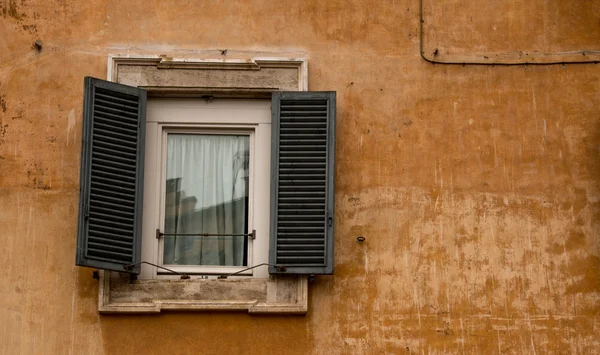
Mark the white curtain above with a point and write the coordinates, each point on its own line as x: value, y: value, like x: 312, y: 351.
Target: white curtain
x: 207, y: 192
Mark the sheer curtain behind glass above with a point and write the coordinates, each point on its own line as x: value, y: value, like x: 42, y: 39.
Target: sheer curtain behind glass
x: 206, y: 192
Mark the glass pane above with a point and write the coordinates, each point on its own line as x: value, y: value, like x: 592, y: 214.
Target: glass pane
x: 206, y: 192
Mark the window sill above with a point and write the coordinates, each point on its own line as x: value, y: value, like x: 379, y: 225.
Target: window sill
x: 275, y: 295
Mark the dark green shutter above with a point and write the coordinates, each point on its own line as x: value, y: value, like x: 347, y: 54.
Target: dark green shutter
x: 112, y: 165
x: 302, y: 182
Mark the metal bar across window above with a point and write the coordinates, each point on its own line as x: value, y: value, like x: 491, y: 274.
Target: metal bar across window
x: 251, y: 235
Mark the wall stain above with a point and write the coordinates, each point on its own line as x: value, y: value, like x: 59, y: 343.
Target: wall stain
x: 38, y: 177
x: 19, y: 114
x: 12, y: 11
x: 30, y: 28
x: 3, y: 130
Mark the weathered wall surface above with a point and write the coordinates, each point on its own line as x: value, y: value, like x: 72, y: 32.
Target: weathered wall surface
x: 477, y: 188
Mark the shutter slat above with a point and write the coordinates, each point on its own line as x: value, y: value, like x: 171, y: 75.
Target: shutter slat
x: 117, y: 238
x: 105, y: 253
x: 293, y: 135
x: 111, y: 241
x: 305, y: 130
x: 313, y: 260
x: 110, y: 220
x: 299, y: 218
x: 118, y: 183
x: 120, y: 121
x: 108, y: 216
x: 111, y: 103
x: 116, y: 137
x: 108, y: 227
x: 114, y: 194
x: 292, y: 155
x: 294, y: 247
x: 305, y: 149
x: 108, y: 124
x: 123, y: 201
x: 115, y: 206
x: 123, y: 114
x: 310, y: 174
x: 112, y: 163
x: 292, y: 230
x: 101, y: 94
x: 101, y: 153
x: 99, y: 245
x: 112, y: 188
x: 301, y: 252
x: 101, y: 209
x: 302, y: 195
x: 115, y: 175
x: 306, y: 106
x: 303, y: 114
x: 304, y: 125
x: 304, y: 238
x: 108, y: 147
x: 303, y: 211
x: 109, y: 235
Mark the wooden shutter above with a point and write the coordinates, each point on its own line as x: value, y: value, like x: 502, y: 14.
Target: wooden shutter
x: 302, y: 185
x: 112, y: 165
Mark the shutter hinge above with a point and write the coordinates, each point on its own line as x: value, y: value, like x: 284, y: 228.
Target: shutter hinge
x: 329, y: 219
x: 86, y: 211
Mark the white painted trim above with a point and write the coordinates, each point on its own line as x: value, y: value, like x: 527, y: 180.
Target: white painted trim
x: 221, y: 116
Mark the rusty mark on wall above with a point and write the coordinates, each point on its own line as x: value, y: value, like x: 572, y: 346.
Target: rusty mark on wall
x: 38, y: 177
x: 30, y: 28
x: 3, y: 130
x: 12, y: 11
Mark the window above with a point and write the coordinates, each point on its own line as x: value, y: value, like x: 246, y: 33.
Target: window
x: 205, y: 205
x: 137, y: 170
x: 208, y: 193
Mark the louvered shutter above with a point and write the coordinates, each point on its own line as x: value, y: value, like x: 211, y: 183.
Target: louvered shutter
x: 302, y: 182
x: 111, y: 188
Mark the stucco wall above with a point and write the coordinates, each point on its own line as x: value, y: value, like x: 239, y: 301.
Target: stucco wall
x: 477, y: 188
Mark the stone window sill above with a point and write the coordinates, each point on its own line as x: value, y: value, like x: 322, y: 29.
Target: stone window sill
x: 275, y: 295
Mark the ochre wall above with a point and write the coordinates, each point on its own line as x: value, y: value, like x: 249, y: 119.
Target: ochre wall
x: 477, y: 188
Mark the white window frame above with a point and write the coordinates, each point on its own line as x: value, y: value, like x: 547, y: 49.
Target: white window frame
x: 204, y: 270
x: 219, y: 116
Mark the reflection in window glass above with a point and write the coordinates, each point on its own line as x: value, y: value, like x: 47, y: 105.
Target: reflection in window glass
x: 206, y: 192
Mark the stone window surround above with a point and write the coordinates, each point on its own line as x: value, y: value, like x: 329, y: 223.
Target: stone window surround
x: 184, y: 77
